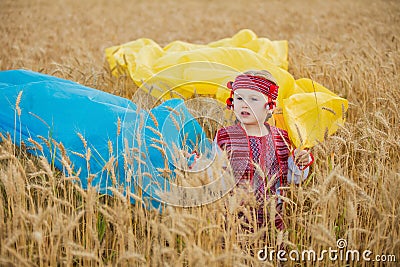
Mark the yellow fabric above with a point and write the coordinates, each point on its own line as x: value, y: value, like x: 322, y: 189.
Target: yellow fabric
x: 309, y: 111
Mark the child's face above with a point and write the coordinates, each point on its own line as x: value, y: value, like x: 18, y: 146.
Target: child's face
x: 249, y: 107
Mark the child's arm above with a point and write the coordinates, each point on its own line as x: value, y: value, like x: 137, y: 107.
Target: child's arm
x: 195, y: 159
x: 215, y: 166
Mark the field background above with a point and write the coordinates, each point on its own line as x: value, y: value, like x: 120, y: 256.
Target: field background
x: 351, y: 47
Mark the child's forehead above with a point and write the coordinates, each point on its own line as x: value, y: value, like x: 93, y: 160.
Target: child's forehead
x: 248, y: 92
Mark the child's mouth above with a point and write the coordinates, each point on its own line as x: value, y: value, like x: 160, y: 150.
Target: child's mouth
x: 245, y: 113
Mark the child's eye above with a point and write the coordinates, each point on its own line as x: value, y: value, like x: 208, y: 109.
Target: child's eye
x: 254, y: 99
x: 239, y: 98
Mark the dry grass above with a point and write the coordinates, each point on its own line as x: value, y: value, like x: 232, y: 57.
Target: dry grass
x: 353, y: 193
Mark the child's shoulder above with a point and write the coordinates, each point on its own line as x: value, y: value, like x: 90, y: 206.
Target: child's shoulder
x: 229, y: 132
x: 276, y: 129
x: 279, y: 132
x: 230, y: 129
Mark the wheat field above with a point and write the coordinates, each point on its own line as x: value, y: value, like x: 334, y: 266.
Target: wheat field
x: 353, y: 193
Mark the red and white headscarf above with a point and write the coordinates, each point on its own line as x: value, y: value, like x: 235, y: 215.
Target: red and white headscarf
x: 257, y: 83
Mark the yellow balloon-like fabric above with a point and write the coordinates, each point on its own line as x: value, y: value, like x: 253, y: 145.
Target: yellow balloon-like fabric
x: 306, y: 109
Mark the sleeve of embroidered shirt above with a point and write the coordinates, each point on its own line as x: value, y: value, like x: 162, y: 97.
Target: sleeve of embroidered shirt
x: 295, y: 175
x: 196, y: 161
x: 215, y: 166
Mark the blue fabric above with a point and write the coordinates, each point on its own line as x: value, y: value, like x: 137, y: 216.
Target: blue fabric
x: 58, y: 109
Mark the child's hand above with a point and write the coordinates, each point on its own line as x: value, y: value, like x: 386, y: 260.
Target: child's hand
x: 301, y: 157
x: 191, y: 157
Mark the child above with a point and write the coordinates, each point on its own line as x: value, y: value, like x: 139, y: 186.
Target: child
x: 260, y: 153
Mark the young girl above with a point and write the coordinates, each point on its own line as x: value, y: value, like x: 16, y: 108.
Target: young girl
x: 260, y: 153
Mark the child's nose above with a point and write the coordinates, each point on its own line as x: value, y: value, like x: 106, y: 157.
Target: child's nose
x: 244, y: 104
